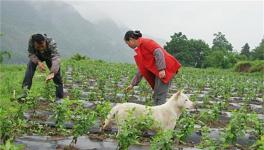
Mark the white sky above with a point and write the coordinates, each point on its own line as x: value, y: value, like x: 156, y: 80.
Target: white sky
x: 241, y: 21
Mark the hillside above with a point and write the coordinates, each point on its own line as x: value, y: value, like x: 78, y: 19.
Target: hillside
x: 73, y: 33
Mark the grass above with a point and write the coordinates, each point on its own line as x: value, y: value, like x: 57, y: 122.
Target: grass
x: 11, y: 78
x: 221, y: 84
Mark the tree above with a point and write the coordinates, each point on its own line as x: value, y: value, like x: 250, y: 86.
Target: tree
x: 177, y: 46
x: 2, y: 53
x: 198, y: 50
x: 189, y: 52
x: 220, y: 59
x: 220, y: 42
x: 245, y: 50
x: 258, y: 52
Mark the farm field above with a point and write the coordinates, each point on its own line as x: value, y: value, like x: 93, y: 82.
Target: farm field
x: 229, y: 110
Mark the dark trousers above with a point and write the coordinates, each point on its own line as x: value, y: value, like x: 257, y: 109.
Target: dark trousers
x: 31, y: 68
x: 160, y: 91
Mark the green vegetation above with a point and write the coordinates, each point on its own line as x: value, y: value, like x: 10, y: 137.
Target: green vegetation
x: 102, y: 84
x: 132, y: 129
x: 250, y: 66
x: 197, y: 53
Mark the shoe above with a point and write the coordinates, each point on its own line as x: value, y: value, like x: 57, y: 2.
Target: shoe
x: 59, y: 100
x: 22, y: 97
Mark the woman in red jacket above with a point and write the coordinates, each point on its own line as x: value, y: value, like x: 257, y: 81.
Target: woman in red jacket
x: 154, y: 63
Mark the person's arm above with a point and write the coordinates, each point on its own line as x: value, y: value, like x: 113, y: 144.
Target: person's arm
x: 55, y: 57
x: 159, y: 59
x: 155, y: 49
x: 137, y: 78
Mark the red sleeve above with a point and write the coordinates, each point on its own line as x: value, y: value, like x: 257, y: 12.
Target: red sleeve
x: 151, y: 45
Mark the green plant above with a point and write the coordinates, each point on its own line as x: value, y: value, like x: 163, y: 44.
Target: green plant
x: 162, y: 140
x: 11, y: 146
x: 31, y: 101
x: 236, y: 127
x: 92, y: 96
x: 62, y: 113
x: 48, y: 91
x: 12, y: 123
x: 256, y: 124
x: 132, y: 128
x: 250, y: 66
x: 259, y: 145
x: 83, y: 120
x: 102, y: 109
x: 2, y: 53
x: 75, y: 93
x: 184, y: 126
x: 206, y: 141
x: 211, y: 115
x: 206, y: 100
x: 78, y: 57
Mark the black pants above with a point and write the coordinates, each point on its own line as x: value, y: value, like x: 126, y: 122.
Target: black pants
x: 31, y: 68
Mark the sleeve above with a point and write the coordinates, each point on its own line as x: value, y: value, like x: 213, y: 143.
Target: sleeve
x: 137, y: 78
x: 31, y: 52
x: 159, y: 59
x: 55, y: 57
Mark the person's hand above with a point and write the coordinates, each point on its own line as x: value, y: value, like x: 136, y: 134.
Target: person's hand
x: 162, y: 74
x: 50, y: 76
x: 41, y: 66
x: 129, y: 88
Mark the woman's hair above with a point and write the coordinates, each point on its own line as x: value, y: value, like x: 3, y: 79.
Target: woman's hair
x: 39, y: 38
x: 132, y: 34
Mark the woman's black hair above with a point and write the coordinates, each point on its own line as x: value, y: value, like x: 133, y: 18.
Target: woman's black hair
x: 39, y: 38
x: 132, y: 34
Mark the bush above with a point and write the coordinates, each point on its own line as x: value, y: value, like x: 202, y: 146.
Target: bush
x: 220, y: 59
x: 78, y: 57
x: 250, y: 66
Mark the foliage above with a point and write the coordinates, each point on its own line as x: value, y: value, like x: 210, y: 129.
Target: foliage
x: 250, y: 66
x: 245, y: 50
x: 11, y: 146
x: 184, y: 126
x: 12, y: 123
x: 78, y: 57
x: 190, y: 52
x: 162, y: 140
x: 102, y: 109
x: 221, y: 43
x: 236, y: 127
x: 132, y: 129
x: 83, y: 120
x: 258, y: 52
x: 206, y: 141
x: 3, y: 53
x: 216, y: 92
x: 62, y: 114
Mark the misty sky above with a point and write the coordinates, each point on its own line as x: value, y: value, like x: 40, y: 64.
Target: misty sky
x: 241, y: 21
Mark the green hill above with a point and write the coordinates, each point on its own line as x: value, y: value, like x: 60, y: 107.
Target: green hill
x: 73, y: 33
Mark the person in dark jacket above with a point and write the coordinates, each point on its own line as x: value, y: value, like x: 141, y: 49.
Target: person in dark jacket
x: 43, y: 48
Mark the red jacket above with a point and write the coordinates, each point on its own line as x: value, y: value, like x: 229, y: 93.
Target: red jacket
x: 145, y: 61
